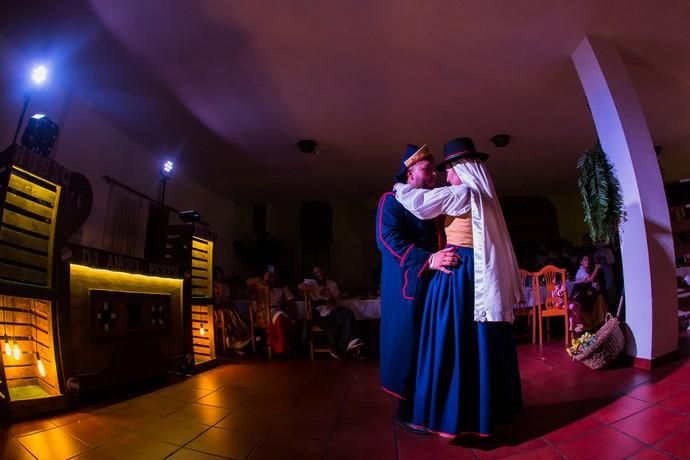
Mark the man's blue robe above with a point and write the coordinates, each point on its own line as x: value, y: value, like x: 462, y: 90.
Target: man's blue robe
x: 405, y: 243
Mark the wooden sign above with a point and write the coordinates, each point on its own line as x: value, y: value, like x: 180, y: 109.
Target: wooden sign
x: 96, y: 258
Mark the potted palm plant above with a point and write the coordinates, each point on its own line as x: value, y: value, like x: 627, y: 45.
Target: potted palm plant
x: 604, y: 213
x: 600, y: 191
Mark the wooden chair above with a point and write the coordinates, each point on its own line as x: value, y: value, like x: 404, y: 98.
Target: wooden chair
x: 259, y: 312
x: 551, y: 305
x: 528, y: 309
x: 312, y: 328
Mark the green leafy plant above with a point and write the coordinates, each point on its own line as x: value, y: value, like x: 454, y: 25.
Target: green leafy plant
x: 600, y: 191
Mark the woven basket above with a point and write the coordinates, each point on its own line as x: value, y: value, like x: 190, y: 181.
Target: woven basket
x: 608, y: 343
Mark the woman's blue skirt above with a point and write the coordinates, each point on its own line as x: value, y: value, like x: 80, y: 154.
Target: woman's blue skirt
x: 468, y: 378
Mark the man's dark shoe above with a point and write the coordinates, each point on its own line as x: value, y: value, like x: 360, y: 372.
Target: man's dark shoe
x: 412, y: 428
x: 335, y: 355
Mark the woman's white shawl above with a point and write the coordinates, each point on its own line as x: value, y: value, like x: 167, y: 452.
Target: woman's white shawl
x: 497, y: 286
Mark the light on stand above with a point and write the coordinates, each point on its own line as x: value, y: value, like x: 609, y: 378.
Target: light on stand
x: 39, y: 76
x: 167, y: 169
x: 40, y: 134
x: 202, y: 331
x: 166, y: 175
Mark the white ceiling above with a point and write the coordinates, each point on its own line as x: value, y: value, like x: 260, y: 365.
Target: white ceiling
x: 235, y: 84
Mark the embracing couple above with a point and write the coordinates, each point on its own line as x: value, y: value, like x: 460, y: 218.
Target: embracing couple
x: 448, y: 285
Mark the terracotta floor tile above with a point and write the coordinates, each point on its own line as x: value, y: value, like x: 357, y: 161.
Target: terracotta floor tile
x: 559, y: 382
x: 174, y: 430
x: 573, y: 430
x: 587, y: 391
x: 11, y: 449
x: 108, y: 407
x: 382, y: 408
x: 226, y: 399
x: 677, y: 443
x: 279, y: 447
x: 494, y: 448
x: 69, y: 418
x: 620, y: 408
x: 158, y: 404
x: 34, y: 426
x: 603, y: 443
x: 225, y: 443
x: 361, y: 450
x: 249, y: 423
x: 357, y: 429
x: 544, y: 378
x: 367, y: 393
x: 304, y: 427
x: 92, y: 454
x: 316, y: 407
x: 544, y: 453
x: 624, y: 379
x: 187, y: 393
x: 650, y: 454
x: 679, y: 402
x: 189, y: 454
x: 130, y: 417
x: 428, y: 447
x: 651, y: 424
x: 200, y: 413
x: 277, y: 406
x: 674, y: 373
x: 134, y: 446
x: 530, y: 367
x: 654, y: 392
x: 208, y: 380
x: 53, y: 443
x: 94, y: 430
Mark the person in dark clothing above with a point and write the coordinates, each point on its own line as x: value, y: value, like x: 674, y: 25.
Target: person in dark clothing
x: 339, y: 323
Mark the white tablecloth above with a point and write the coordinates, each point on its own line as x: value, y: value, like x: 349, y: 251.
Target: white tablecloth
x: 362, y: 308
x: 683, y: 271
x: 530, y: 301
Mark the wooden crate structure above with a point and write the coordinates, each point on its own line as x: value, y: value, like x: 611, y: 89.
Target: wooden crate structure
x: 191, y: 247
x: 27, y: 234
x: 31, y: 201
x: 29, y: 365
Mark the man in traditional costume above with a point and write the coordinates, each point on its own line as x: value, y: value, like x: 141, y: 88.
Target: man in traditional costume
x: 407, y: 246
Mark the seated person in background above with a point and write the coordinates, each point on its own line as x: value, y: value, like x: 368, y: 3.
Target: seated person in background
x: 281, y: 328
x: 605, y: 258
x: 587, y: 302
x: 236, y: 333
x: 338, y: 322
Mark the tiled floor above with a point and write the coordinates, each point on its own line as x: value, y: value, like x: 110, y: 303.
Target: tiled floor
x: 335, y: 410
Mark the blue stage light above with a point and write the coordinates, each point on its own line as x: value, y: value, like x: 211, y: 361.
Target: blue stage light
x: 167, y: 168
x: 39, y: 75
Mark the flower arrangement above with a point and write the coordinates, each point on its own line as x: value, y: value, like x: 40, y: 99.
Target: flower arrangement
x: 581, y: 344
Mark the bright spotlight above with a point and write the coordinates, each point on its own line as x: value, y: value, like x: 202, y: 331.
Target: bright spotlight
x: 166, y: 174
x: 39, y: 75
x: 167, y: 168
